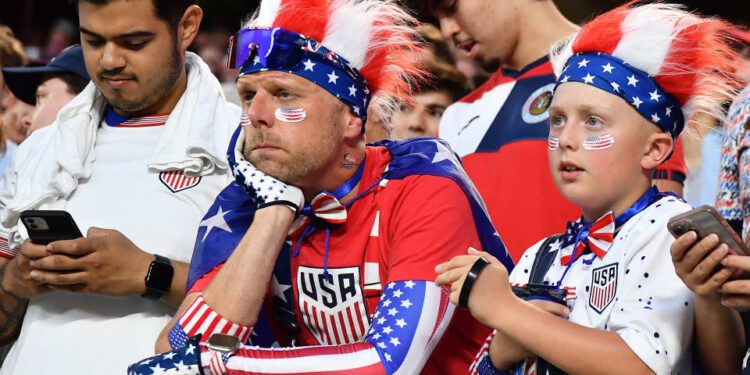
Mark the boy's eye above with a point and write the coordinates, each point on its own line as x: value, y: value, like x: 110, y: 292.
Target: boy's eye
x: 557, y: 121
x: 593, y: 122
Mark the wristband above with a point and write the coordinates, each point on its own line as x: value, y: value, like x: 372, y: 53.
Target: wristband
x: 471, y: 277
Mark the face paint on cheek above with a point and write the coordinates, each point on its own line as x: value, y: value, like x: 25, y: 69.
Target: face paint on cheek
x: 599, y: 142
x: 553, y: 143
x: 290, y: 115
x: 245, y: 120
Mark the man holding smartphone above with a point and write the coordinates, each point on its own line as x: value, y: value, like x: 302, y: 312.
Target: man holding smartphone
x: 142, y: 151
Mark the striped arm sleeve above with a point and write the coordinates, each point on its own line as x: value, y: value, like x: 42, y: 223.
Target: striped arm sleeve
x: 200, y: 318
x: 407, y: 325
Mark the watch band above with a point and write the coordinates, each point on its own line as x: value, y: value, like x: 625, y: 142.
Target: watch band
x: 158, y: 278
x: 221, y: 346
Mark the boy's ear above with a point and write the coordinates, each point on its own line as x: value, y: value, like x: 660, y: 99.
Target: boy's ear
x: 659, y: 147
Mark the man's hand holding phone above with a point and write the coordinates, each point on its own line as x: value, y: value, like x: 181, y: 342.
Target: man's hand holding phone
x: 17, y: 276
x: 103, y: 262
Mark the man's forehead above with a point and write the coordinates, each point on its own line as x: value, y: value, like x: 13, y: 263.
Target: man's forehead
x: 119, y: 17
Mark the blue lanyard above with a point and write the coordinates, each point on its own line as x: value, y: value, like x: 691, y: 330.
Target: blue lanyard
x: 342, y: 190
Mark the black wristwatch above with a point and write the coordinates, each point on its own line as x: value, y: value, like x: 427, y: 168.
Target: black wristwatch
x: 158, y: 278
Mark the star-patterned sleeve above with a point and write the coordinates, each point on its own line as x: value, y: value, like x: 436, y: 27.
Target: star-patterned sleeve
x: 408, y: 322
x: 653, y: 312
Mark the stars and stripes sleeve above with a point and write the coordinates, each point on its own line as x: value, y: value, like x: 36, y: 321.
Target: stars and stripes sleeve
x: 407, y: 325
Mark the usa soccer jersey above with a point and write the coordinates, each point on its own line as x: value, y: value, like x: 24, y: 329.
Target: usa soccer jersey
x: 500, y: 130
x: 381, y: 264
x: 632, y: 290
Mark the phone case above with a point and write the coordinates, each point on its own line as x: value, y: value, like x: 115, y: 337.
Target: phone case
x: 705, y: 220
x: 45, y: 226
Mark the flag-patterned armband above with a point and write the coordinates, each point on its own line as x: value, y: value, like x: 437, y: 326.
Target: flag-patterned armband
x: 200, y: 318
x: 6, y: 251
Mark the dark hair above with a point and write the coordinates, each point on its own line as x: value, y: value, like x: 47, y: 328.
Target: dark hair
x: 446, y: 77
x: 170, y: 11
x: 75, y: 83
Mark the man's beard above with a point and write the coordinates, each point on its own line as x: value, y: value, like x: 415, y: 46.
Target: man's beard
x: 302, y: 162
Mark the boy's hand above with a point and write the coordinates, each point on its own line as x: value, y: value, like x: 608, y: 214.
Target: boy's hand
x: 736, y: 293
x: 491, y: 286
x: 695, y: 263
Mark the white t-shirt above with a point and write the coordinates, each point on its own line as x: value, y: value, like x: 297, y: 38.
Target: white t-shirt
x: 71, y: 333
x: 633, y: 290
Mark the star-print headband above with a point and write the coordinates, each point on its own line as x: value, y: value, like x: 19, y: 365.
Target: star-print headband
x: 277, y: 49
x: 615, y: 76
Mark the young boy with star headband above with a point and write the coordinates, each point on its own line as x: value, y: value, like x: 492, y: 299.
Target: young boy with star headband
x: 604, y: 296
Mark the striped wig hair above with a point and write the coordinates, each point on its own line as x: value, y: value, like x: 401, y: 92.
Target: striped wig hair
x: 688, y: 56
x: 377, y: 37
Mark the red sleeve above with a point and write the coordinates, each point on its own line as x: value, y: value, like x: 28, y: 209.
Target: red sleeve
x: 206, y: 279
x: 429, y: 223
x: 674, y: 165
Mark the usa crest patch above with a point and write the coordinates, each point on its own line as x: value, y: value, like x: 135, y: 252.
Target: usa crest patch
x: 333, y: 310
x: 176, y: 181
x: 603, y: 287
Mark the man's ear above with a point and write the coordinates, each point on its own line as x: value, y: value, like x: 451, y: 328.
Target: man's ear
x: 353, y: 127
x: 659, y: 147
x: 189, y: 25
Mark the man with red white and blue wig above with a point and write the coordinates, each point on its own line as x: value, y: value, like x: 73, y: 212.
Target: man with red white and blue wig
x: 325, y: 246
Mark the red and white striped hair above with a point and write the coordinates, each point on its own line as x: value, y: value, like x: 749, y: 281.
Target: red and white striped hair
x: 376, y: 36
x: 687, y: 55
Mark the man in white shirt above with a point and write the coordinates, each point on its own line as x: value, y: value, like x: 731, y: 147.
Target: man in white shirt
x: 141, y: 150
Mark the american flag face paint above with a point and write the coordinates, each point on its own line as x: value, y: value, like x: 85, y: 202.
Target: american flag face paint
x: 245, y: 120
x: 599, y: 142
x: 553, y: 143
x: 290, y: 115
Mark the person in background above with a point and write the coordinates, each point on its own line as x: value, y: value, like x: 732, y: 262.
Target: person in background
x: 445, y: 85
x: 136, y: 159
x: 49, y: 88
x: 422, y: 117
x: 11, y: 54
x: 500, y: 129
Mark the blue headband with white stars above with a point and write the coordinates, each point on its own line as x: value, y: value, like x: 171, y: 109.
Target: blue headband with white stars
x: 635, y: 86
x: 276, y: 49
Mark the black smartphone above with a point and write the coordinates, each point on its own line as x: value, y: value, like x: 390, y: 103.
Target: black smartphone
x: 45, y: 226
x: 540, y: 291
x: 705, y: 220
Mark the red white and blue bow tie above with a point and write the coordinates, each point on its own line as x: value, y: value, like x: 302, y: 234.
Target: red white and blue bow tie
x: 597, y: 236
x: 327, y: 208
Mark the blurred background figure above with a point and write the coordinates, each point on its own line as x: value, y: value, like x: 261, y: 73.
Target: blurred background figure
x: 49, y: 88
x: 11, y: 109
x: 446, y: 85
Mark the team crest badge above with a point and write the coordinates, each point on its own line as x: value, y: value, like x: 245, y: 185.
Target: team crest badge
x: 603, y: 287
x: 334, y: 310
x: 536, y: 106
x: 176, y: 181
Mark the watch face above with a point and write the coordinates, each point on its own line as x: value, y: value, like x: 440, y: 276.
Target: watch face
x: 160, y: 276
x: 223, y: 343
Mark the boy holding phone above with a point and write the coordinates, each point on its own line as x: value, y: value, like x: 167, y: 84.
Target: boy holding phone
x: 614, y: 117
